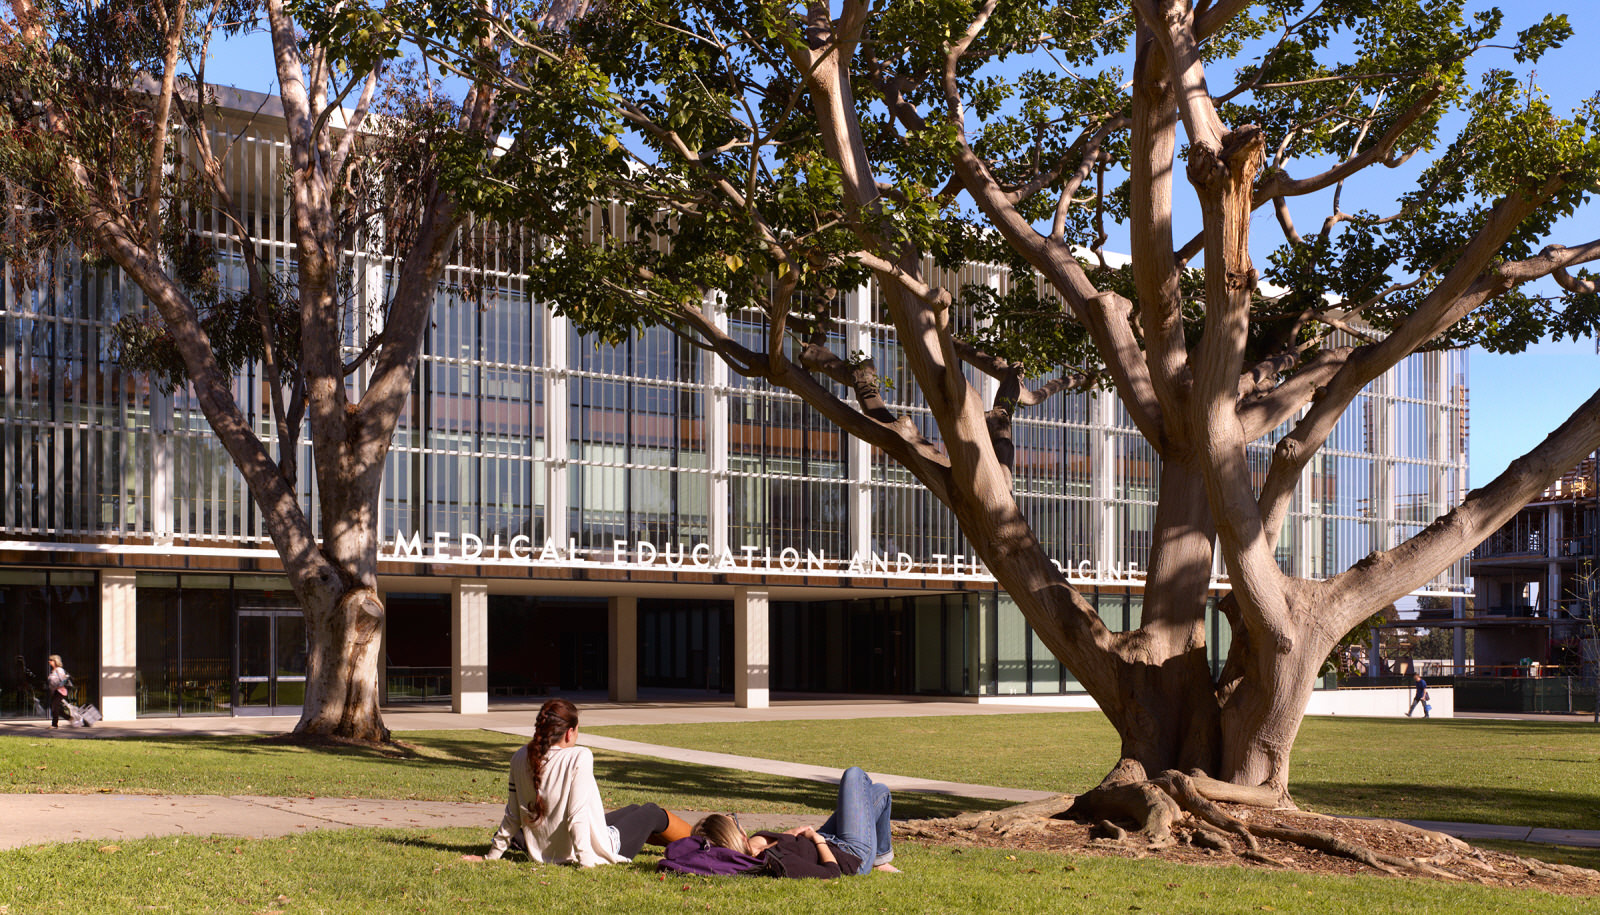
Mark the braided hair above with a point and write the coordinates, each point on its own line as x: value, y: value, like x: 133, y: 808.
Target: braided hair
x: 556, y: 717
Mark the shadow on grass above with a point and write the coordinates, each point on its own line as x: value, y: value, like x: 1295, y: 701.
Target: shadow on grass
x: 1555, y: 854
x: 424, y: 749
x: 1507, y: 806
x: 470, y: 847
x: 643, y: 863
x: 708, y: 788
x: 625, y: 779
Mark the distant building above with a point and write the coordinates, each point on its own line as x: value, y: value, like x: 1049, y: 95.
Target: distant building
x: 1536, y: 581
x: 601, y: 518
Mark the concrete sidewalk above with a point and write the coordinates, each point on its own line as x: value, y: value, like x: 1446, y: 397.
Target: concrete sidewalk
x: 659, y: 707
x: 40, y: 819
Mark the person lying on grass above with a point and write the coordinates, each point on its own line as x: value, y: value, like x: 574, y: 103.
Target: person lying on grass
x: 853, y: 841
x: 553, y: 808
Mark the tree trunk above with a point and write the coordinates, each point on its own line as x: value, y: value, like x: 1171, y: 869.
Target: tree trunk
x: 342, y: 668
x: 1168, y: 713
x: 345, y: 624
x: 1263, y: 713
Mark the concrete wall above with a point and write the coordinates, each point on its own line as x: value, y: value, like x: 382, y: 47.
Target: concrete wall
x: 1378, y: 702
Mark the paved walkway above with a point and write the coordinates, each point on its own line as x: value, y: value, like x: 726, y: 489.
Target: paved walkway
x: 28, y: 819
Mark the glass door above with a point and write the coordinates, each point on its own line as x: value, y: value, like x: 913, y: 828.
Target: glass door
x: 272, y: 661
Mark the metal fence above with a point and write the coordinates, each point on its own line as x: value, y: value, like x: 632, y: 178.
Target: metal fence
x: 1524, y: 694
x: 418, y: 684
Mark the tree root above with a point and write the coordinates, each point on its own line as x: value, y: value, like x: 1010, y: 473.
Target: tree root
x: 1183, y: 807
x: 1175, y: 808
x: 1032, y: 815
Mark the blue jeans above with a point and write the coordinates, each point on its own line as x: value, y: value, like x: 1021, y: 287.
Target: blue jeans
x: 860, y: 821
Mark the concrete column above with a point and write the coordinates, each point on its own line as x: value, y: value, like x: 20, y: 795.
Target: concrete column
x: 119, y: 648
x: 1554, y: 535
x: 162, y: 515
x: 622, y: 623
x: 1308, y: 549
x: 858, y: 454
x: 717, y: 406
x: 1458, y: 637
x: 557, y: 433
x: 1383, y: 438
x: 751, y: 668
x: 1102, y: 470
x: 469, y: 648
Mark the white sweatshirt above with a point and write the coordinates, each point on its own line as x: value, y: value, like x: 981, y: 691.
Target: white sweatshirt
x: 573, y: 829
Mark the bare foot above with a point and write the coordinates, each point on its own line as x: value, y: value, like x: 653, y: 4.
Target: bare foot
x: 887, y: 868
x: 474, y: 858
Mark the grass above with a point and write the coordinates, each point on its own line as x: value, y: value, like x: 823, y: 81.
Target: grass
x: 391, y: 871
x: 1555, y: 854
x: 442, y: 766
x: 445, y: 766
x: 1510, y: 772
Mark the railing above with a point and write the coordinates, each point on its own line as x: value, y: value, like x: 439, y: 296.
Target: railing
x: 1516, y: 538
x: 418, y: 684
x: 23, y: 703
x: 1555, y: 694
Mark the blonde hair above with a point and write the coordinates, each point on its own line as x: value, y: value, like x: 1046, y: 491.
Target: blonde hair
x: 720, y: 829
x: 56, y: 658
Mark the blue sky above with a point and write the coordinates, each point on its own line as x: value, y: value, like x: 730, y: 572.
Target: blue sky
x: 1515, y: 400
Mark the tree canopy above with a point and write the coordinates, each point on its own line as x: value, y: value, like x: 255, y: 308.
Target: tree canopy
x: 116, y: 153
x: 777, y: 153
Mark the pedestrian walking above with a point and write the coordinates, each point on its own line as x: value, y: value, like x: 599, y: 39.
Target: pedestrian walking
x: 1421, y: 696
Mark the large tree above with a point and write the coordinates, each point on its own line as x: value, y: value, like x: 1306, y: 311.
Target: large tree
x: 786, y: 149
x: 114, y: 151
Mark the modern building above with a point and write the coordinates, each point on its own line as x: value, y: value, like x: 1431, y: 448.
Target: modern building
x: 1537, y: 584
x: 567, y: 515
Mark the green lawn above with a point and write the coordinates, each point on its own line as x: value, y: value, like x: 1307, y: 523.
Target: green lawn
x: 1555, y: 854
x: 1508, y: 772
x: 390, y: 871
x: 445, y: 766
x: 441, y: 766
x: 1511, y: 772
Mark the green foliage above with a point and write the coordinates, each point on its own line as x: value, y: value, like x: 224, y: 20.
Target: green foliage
x: 727, y: 186
x: 231, y: 320
x: 1348, y: 659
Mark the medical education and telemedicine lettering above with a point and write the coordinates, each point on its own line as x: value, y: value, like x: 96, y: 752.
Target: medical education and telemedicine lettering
x: 521, y: 549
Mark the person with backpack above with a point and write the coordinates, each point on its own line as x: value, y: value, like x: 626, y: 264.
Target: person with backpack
x: 58, y: 683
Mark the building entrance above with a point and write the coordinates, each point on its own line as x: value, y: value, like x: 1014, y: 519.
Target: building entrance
x: 271, y: 660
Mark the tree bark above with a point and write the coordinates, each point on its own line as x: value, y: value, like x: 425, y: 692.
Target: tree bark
x: 342, y: 669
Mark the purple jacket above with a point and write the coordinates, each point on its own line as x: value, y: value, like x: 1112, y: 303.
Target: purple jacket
x: 694, y: 855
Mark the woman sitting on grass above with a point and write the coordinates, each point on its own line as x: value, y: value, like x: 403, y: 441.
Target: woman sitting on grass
x: 553, y: 808
x: 853, y: 841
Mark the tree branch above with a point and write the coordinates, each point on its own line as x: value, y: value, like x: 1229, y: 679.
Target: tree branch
x: 1385, y: 576
x: 158, y: 151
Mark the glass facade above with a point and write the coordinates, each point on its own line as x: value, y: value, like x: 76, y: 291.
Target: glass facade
x: 521, y: 429
x: 41, y: 614
x: 218, y: 645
